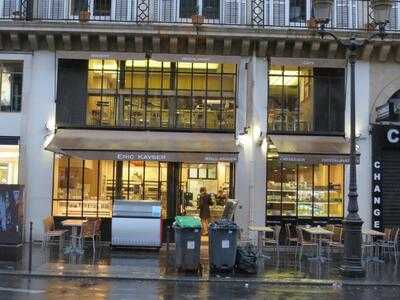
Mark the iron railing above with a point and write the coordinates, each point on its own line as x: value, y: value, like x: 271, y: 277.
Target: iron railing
x: 346, y: 15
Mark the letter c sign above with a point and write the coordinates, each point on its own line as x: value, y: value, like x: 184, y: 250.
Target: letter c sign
x: 393, y: 136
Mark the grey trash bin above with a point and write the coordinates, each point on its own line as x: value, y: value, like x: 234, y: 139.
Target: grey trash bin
x: 222, y: 245
x: 187, y: 247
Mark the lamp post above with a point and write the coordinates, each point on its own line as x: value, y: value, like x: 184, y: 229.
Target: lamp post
x: 352, y: 223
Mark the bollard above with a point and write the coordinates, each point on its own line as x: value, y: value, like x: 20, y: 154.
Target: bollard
x: 30, y: 246
x: 168, y: 237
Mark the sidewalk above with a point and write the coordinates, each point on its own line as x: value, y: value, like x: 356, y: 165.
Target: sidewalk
x: 148, y: 265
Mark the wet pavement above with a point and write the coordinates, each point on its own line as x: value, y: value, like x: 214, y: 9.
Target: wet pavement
x: 149, y: 265
x: 16, y: 288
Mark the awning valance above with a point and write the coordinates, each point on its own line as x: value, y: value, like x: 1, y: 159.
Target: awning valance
x: 312, y: 149
x: 144, y: 145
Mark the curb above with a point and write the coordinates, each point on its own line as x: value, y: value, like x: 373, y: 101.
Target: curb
x: 293, y: 282
x: 298, y: 282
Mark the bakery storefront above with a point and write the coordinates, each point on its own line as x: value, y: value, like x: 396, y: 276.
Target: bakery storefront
x: 305, y: 179
x: 92, y: 168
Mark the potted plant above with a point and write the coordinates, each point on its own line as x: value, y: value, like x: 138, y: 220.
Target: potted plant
x: 84, y: 13
x: 197, y: 19
x: 312, y: 23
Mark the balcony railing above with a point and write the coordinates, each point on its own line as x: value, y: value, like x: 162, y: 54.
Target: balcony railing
x: 346, y: 15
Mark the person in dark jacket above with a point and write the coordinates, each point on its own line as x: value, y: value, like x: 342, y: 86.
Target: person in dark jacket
x: 204, y: 206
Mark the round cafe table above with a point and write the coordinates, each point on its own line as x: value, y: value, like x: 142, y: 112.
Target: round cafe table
x: 75, y: 224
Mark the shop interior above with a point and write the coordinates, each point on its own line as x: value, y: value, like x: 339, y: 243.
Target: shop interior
x: 156, y: 94
x: 87, y: 188
x: 304, y: 190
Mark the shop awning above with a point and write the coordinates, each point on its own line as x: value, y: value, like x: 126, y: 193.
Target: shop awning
x: 144, y: 145
x: 311, y: 149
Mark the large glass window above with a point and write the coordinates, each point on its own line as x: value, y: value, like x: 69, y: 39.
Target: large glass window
x: 10, y: 86
x: 306, y: 100
x: 87, y: 188
x: 154, y: 94
x: 304, y: 191
x: 9, y: 157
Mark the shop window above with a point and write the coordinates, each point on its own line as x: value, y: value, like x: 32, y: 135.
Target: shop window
x: 87, y: 188
x: 9, y: 157
x: 304, y: 191
x: 154, y: 94
x: 306, y: 100
x: 11, y: 86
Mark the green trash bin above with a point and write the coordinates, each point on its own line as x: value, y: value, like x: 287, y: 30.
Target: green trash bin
x: 187, y: 243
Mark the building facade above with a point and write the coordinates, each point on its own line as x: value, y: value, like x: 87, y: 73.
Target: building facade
x: 153, y: 99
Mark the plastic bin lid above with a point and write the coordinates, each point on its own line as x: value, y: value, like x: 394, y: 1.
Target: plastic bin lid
x: 224, y: 224
x: 187, y: 222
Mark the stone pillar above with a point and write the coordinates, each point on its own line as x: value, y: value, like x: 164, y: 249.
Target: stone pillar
x: 250, y: 132
x: 39, y: 120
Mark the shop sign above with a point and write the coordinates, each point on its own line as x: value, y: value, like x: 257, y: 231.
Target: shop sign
x: 384, y: 112
x: 383, y: 137
x: 316, y: 158
x: 154, y: 156
x: 377, y: 195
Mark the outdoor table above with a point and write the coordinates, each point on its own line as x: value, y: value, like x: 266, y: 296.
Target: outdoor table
x: 370, y: 234
x: 261, y: 230
x: 317, y: 233
x: 74, y: 224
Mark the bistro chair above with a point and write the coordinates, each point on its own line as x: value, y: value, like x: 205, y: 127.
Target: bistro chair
x: 88, y: 231
x: 50, y: 232
x: 391, y: 244
x: 290, y: 238
x: 303, y: 243
x: 336, y: 240
x: 274, y: 241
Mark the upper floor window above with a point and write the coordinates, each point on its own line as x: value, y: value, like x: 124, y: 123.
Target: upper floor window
x: 11, y: 86
x: 297, y: 11
x: 210, y: 9
x: 306, y: 100
x: 155, y: 94
x: 97, y: 7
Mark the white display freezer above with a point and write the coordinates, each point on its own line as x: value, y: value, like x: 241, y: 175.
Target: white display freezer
x: 136, y: 223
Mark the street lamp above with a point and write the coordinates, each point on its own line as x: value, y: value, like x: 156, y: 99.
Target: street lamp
x: 352, y: 223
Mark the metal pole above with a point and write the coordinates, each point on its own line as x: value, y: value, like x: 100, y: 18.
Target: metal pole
x: 352, y: 224
x: 30, y: 246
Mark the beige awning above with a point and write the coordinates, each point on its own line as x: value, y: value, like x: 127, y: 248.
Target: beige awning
x: 145, y: 145
x: 311, y: 149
